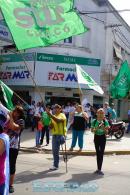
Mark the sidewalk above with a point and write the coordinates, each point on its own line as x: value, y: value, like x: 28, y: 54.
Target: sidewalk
x: 113, y: 146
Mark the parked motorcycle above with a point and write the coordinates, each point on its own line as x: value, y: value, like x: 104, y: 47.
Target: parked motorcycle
x: 117, y: 129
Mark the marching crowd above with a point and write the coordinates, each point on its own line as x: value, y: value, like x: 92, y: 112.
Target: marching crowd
x: 57, y: 119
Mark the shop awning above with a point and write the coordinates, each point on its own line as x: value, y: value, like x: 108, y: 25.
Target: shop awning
x: 117, y: 49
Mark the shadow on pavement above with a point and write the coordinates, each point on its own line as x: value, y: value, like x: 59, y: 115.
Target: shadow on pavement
x: 28, y: 176
x: 83, y: 178
x: 113, y: 139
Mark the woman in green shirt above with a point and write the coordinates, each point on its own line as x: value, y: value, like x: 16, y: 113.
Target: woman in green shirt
x: 100, y: 128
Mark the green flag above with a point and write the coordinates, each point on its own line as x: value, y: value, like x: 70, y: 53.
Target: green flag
x: 7, y: 93
x: 84, y: 78
x: 121, y: 84
x: 36, y: 23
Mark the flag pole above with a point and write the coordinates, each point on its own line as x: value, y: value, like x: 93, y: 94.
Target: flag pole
x: 19, y: 97
x: 66, y: 158
x: 79, y: 91
x: 26, y: 64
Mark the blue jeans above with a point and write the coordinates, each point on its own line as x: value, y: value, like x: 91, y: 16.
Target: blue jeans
x: 2, y: 188
x: 56, y: 149
x: 77, y: 135
x: 38, y: 137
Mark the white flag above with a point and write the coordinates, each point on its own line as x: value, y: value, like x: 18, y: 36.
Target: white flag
x: 84, y: 78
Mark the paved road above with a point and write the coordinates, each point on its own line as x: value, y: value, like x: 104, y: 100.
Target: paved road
x: 33, y: 176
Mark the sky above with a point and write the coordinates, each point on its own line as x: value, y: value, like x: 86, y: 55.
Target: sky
x: 122, y: 4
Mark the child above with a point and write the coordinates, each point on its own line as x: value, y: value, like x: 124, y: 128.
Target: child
x: 38, y: 132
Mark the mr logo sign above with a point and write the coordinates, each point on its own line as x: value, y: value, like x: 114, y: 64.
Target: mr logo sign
x: 61, y: 77
x: 15, y: 75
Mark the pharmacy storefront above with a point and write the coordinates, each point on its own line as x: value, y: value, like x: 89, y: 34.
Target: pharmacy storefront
x: 55, y: 76
x: 17, y: 75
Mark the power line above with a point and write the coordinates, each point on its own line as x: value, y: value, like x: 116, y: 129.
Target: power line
x: 119, y: 30
x: 102, y: 21
x: 102, y: 12
x: 122, y: 36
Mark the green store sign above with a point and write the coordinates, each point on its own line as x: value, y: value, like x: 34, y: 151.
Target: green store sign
x: 68, y: 59
x: 51, y: 58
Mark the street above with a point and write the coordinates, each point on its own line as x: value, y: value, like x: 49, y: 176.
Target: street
x: 33, y: 175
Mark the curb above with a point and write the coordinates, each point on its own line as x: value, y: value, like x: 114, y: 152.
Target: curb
x: 75, y: 153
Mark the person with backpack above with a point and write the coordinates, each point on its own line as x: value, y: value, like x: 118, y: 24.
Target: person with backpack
x: 100, y: 128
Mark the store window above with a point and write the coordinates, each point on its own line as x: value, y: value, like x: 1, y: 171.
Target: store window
x: 68, y: 40
x: 97, y: 102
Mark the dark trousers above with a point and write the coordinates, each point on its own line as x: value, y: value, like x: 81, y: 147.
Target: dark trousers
x: 13, y: 153
x: 100, y: 142
x: 45, y: 130
x: 35, y: 123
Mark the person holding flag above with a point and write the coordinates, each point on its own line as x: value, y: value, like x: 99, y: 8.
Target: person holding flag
x: 12, y: 128
x: 58, y: 127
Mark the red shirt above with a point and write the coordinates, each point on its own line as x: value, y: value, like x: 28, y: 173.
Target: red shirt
x: 2, y: 168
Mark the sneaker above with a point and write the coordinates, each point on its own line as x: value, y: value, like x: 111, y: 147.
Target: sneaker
x: 80, y: 150
x: 11, y: 189
x: 100, y: 172
x: 38, y: 146
x: 53, y: 168
x: 41, y: 142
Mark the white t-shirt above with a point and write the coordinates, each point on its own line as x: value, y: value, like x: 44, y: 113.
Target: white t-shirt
x: 4, y: 111
x: 32, y: 109
x: 38, y: 111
